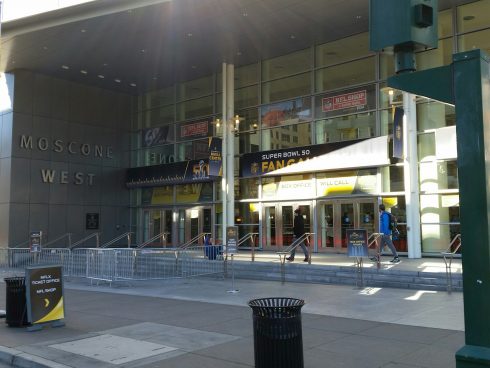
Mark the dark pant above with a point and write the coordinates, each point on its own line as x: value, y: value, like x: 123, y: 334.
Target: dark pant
x: 303, y: 246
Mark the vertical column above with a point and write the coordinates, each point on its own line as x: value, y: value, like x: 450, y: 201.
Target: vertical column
x: 472, y: 99
x: 411, y: 177
x: 230, y: 145
x: 224, y: 196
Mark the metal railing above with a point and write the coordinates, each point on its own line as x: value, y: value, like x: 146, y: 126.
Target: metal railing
x: 448, y: 256
x: 194, y: 241
x: 151, y: 240
x: 373, y: 240
x: 251, y: 237
x: 67, y: 235
x: 81, y: 241
x: 116, y: 239
x: 283, y: 254
x: 117, y: 264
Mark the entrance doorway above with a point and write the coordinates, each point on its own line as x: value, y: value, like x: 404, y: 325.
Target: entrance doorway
x: 277, y: 224
x: 157, y: 225
x: 190, y: 222
x: 338, y: 215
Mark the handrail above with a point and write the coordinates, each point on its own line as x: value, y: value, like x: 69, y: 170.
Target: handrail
x: 151, y: 240
x: 97, y: 235
x: 193, y: 240
x: 373, y: 239
x: 110, y: 242
x: 59, y: 238
x: 448, y: 256
x: 244, y: 238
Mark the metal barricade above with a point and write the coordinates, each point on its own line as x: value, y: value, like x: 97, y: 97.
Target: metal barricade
x: 194, y: 262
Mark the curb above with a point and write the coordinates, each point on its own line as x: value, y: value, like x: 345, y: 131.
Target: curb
x: 19, y: 359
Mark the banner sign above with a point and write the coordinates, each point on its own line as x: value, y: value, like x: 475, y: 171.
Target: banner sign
x: 398, y: 133
x: 215, y: 156
x: 345, y: 101
x: 260, y: 163
x: 286, y: 112
x: 357, y: 242
x: 231, y: 239
x: 194, y: 130
x: 44, y: 288
x: 157, y: 136
x: 35, y: 241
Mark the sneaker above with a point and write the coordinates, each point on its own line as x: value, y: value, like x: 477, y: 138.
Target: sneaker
x: 305, y: 260
x: 395, y: 260
x: 290, y: 259
x: 374, y: 259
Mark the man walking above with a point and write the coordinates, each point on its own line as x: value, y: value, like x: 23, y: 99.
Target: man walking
x: 299, y: 231
x: 385, y: 230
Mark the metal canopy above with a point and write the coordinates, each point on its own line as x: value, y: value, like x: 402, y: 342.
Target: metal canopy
x: 156, y: 43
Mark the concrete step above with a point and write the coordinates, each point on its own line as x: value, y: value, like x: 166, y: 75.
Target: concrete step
x: 344, y: 275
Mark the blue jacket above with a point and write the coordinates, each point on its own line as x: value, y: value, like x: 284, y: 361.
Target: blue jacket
x: 384, y: 223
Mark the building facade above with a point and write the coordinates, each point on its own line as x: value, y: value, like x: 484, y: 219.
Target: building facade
x: 313, y: 129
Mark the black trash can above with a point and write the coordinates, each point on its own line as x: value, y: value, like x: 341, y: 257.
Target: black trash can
x: 278, y: 337
x: 16, y: 306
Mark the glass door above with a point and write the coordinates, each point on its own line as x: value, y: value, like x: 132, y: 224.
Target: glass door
x: 278, y: 221
x: 336, y: 216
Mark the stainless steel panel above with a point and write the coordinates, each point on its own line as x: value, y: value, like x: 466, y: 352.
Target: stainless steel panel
x: 20, y: 184
x: 5, y: 168
x: 22, y: 125
x: 38, y: 190
x: 58, y: 193
x: 57, y: 224
x: 18, y: 223
x: 41, y: 132
x: 4, y: 224
x: 23, y: 92
x: 42, y: 95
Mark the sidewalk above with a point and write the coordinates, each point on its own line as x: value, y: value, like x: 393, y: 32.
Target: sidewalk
x: 198, y: 323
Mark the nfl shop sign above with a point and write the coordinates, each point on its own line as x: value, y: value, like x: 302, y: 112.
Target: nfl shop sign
x: 345, y: 101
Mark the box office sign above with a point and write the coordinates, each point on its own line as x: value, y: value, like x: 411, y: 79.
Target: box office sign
x: 346, y: 102
x: 231, y: 239
x: 357, y: 242
x: 44, y: 287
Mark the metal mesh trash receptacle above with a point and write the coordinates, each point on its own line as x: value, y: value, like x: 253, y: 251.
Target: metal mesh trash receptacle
x: 278, y: 338
x: 15, y: 310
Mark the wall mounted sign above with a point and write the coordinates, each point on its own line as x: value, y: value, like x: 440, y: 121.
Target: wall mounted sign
x: 91, y: 221
x: 35, y: 241
x: 44, y: 288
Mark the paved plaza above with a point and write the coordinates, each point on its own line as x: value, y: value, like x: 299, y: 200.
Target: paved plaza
x: 200, y: 323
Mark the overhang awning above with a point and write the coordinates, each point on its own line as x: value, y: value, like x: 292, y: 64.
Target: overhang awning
x: 367, y: 153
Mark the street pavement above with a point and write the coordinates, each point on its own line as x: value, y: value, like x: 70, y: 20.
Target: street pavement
x: 206, y: 322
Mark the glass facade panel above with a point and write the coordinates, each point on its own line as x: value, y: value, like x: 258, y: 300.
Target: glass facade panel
x: 157, y: 98
x: 343, y: 50
x: 476, y: 40
x: 246, y: 75
x: 392, y: 179
x: 245, y: 97
x: 158, y: 116
x: 194, y: 193
x: 249, y: 120
x: 247, y: 188
x: 445, y: 23
x: 443, y: 55
x: 195, y: 88
x: 286, y: 137
x: 193, y: 150
x: 433, y: 115
x: 473, y: 16
x: 157, y: 155
x: 290, y: 87
x: 247, y: 143
x: 355, y: 72
x: 195, y: 108
x: 345, y: 128
x: 289, y: 64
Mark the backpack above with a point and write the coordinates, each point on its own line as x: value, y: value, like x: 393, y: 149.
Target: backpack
x: 392, y: 223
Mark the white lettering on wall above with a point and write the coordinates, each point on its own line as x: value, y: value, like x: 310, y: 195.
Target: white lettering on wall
x: 72, y: 147
x: 63, y: 177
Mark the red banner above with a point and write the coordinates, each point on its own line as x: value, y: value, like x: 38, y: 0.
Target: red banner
x: 345, y: 101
